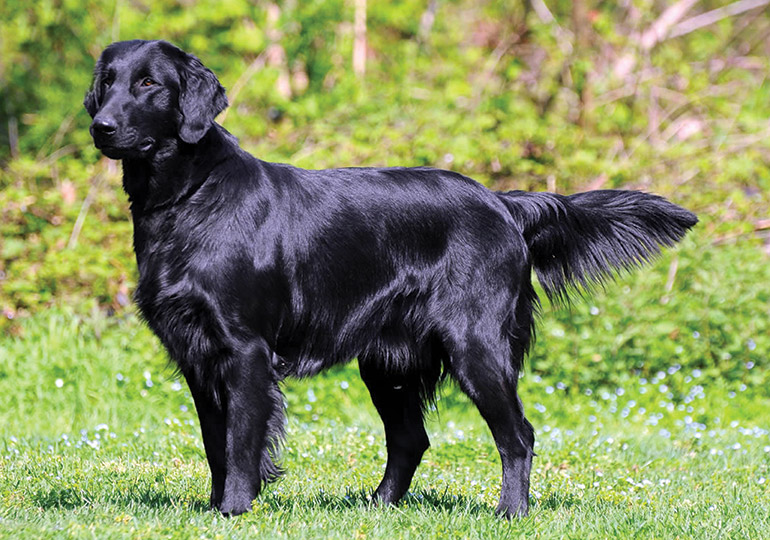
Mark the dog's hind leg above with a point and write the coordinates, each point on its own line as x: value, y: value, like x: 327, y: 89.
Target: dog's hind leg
x: 479, y: 372
x: 397, y: 398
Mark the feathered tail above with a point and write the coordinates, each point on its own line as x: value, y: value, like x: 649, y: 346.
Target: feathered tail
x: 580, y: 240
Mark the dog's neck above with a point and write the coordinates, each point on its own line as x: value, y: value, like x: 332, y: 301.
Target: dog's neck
x: 173, y: 173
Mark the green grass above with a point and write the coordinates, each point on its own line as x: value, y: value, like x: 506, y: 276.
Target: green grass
x: 650, y: 401
x: 99, y: 439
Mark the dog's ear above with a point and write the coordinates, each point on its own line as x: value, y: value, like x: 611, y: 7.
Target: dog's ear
x: 94, y: 96
x: 201, y: 99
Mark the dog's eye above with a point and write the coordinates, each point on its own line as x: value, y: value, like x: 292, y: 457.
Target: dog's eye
x: 147, y: 82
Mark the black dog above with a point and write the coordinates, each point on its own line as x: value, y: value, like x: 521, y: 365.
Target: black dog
x: 252, y: 271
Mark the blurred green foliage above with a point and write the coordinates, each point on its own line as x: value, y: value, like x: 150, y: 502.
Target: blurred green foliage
x: 705, y: 309
x: 489, y: 88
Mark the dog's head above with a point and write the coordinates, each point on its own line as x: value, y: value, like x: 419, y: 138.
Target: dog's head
x: 146, y: 93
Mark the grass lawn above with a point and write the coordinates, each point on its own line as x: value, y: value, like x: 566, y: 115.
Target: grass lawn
x: 99, y: 439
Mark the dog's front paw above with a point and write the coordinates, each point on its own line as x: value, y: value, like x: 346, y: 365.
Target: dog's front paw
x: 235, y: 504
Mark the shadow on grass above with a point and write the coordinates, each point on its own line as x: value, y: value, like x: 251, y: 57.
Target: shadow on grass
x: 430, y: 500
x: 71, y: 498
x: 424, y: 500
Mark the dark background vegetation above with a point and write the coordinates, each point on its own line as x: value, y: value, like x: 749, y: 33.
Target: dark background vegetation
x: 670, y: 97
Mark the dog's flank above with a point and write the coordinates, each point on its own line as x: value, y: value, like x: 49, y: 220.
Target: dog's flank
x: 250, y: 272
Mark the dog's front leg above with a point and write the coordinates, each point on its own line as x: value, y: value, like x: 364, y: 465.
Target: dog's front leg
x: 253, y: 407
x: 241, y: 415
x: 213, y: 420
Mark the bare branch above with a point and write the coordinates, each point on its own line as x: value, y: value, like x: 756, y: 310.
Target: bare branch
x: 427, y: 20
x: 257, y: 64
x: 13, y: 136
x: 275, y: 54
x: 660, y: 28
x: 563, y: 37
x: 81, y: 219
x: 715, y: 15
x: 359, y: 43
x: 655, y: 33
x: 543, y: 12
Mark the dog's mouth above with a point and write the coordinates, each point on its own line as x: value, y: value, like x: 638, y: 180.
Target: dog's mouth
x: 119, y: 151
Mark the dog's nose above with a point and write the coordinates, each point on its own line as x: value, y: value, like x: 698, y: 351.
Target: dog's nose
x: 104, y: 126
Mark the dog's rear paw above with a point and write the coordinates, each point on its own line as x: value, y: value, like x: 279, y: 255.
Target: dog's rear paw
x: 511, y: 511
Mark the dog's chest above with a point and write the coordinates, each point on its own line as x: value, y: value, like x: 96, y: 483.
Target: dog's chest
x: 179, y: 310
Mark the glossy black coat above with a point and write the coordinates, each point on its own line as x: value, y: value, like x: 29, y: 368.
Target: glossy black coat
x: 250, y: 272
